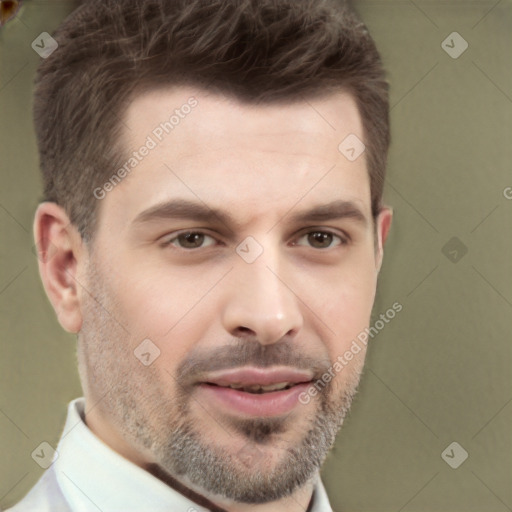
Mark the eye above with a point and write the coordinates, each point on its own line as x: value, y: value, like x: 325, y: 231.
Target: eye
x: 190, y: 240
x: 321, y: 239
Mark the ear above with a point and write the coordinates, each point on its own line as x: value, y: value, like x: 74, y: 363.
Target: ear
x: 59, y: 249
x: 383, y: 224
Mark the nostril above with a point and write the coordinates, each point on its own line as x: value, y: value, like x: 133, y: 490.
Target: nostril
x: 244, y: 330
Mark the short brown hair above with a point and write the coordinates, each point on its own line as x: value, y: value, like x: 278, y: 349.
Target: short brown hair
x: 258, y: 51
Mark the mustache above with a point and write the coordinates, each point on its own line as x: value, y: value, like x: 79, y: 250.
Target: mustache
x: 248, y: 352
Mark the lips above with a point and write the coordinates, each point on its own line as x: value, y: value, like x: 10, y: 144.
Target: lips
x: 256, y: 391
x: 257, y: 388
x: 257, y: 380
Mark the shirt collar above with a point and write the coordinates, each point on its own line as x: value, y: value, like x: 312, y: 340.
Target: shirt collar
x: 91, y: 475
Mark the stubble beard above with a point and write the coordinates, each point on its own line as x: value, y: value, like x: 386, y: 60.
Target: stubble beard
x: 132, y: 398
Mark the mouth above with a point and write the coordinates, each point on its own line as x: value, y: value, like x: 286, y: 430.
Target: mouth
x: 256, y: 389
x: 255, y: 392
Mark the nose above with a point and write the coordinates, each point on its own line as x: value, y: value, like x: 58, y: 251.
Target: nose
x: 260, y: 302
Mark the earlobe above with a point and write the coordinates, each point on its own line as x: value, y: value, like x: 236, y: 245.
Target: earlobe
x: 59, y: 252
x: 383, y: 225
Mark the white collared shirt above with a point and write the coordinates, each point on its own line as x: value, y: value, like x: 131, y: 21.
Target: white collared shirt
x: 88, y: 476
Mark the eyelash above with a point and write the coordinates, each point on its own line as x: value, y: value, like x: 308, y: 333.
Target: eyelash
x: 343, y: 239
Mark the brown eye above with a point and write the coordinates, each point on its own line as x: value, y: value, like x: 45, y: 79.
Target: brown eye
x: 190, y: 240
x: 321, y: 240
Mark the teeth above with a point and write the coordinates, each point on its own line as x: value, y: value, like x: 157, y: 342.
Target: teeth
x: 256, y: 388
x: 235, y: 386
x: 275, y: 387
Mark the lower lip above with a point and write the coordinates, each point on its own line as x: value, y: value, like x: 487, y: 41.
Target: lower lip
x: 275, y: 403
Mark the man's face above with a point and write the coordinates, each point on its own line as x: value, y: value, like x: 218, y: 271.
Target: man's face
x: 268, y: 287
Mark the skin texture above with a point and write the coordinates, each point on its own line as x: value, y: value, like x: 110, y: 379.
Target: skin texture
x: 297, y: 305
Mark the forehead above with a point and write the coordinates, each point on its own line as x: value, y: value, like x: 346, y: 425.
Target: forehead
x: 310, y: 125
x: 212, y: 148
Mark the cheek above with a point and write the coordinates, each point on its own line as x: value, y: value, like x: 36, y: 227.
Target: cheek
x: 153, y: 300
x: 345, y: 308
x: 170, y: 308
x: 344, y: 299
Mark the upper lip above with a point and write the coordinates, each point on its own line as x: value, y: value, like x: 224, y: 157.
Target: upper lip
x: 258, y: 376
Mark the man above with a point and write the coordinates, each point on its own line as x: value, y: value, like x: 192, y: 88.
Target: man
x: 212, y: 230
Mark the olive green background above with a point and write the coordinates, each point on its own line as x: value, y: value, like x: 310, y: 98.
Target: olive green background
x: 439, y: 372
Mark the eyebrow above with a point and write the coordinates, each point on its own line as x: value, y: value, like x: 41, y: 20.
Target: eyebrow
x: 339, y: 209
x: 200, y: 212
